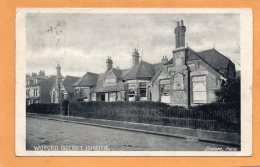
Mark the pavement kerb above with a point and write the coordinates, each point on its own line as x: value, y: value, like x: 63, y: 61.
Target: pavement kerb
x: 140, y: 131
x: 112, y: 127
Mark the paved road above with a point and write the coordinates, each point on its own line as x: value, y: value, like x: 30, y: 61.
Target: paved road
x: 49, y: 134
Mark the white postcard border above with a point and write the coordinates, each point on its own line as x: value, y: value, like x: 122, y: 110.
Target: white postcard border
x: 246, y: 43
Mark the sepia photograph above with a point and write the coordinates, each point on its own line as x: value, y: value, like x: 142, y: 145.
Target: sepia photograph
x: 133, y: 82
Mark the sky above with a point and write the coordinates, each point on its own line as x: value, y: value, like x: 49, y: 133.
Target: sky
x: 81, y: 42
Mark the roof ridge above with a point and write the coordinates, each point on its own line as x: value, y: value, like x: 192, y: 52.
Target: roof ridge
x: 155, y: 63
x: 206, y: 50
x: 71, y: 76
x: 91, y: 73
x: 213, y: 49
x: 221, y: 55
x: 146, y: 62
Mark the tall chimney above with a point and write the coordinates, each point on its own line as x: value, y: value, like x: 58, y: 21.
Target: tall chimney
x: 180, y: 34
x: 109, y: 63
x: 135, y: 57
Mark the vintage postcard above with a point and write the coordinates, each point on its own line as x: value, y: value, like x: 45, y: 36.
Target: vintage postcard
x: 134, y: 82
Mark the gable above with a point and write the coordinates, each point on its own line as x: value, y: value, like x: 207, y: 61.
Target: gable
x: 212, y: 58
x: 215, y: 59
x: 161, y: 74
x: 110, y: 79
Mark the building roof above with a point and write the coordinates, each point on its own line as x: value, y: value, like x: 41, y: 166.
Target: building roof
x: 143, y: 70
x: 89, y: 79
x: 68, y: 82
x: 157, y: 67
x: 215, y: 59
x: 125, y: 71
x: 212, y: 57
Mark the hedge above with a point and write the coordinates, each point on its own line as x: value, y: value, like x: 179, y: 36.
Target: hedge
x: 219, y: 117
x: 42, y: 108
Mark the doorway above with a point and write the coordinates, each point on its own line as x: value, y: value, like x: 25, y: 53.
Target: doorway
x: 103, y: 97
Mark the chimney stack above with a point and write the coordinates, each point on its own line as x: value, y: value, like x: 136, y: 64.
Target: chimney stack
x: 135, y: 57
x: 41, y: 73
x: 180, y: 34
x: 109, y: 63
x: 164, y: 60
x: 58, y: 68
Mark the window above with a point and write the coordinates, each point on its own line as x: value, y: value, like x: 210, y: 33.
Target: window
x: 143, y: 92
x: 85, y: 92
x: 142, y: 89
x: 28, y: 93
x: 165, y: 87
x: 199, y: 89
x: 119, y: 96
x: 35, y: 92
x: 131, y: 90
x: 28, y: 102
x: 165, y: 91
x: 112, y: 96
x: 93, y: 97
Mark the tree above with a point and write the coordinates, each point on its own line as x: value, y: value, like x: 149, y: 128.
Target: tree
x: 230, y: 93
